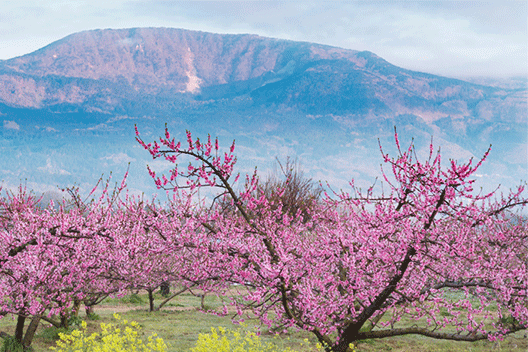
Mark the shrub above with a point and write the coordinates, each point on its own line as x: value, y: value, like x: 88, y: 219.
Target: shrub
x: 53, y: 333
x: 92, y: 316
x: 120, y: 337
x: 133, y: 298
x: 10, y: 344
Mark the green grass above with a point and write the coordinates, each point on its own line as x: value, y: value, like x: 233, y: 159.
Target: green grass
x: 179, y: 323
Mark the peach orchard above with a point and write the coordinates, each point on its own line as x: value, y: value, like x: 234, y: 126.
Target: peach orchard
x: 349, y: 267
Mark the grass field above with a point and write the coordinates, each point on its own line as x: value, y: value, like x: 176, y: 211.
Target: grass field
x: 180, y: 322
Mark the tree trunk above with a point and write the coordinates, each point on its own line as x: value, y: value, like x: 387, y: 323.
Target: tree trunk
x: 19, y: 330
x: 64, y: 320
x: 76, y: 307
x: 151, y: 299
x: 89, y: 310
x: 342, y: 347
x: 165, y: 289
x: 30, y: 332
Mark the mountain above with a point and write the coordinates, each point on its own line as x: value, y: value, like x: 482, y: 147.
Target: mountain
x: 275, y: 96
x: 107, y: 70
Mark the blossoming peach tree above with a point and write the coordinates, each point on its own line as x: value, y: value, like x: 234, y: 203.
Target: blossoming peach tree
x: 53, y: 256
x: 38, y: 258
x: 431, y: 250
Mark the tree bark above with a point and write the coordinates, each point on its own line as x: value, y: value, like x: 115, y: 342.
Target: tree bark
x: 19, y: 330
x: 89, y: 310
x: 165, y: 289
x: 30, y: 332
x: 151, y: 299
x: 64, y: 320
x: 76, y: 307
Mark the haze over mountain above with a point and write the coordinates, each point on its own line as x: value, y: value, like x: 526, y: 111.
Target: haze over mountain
x: 81, y: 95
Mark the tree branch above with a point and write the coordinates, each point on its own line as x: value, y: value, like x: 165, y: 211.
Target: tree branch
x: 377, y: 334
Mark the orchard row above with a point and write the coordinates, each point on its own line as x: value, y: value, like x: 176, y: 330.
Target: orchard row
x: 344, y: 266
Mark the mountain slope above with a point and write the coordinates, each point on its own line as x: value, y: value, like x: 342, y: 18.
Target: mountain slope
x: 152, y: 59
x: 106, y: 70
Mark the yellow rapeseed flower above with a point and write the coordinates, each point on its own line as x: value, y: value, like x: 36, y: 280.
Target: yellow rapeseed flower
x: 239, y: 340
x: 120, y: 337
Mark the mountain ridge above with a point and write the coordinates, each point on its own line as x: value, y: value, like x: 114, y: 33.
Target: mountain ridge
x: 98, y: 69
x: 163, y: 51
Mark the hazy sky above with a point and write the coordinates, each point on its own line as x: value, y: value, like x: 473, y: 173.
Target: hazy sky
x: 451, y: 38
